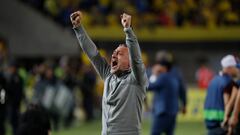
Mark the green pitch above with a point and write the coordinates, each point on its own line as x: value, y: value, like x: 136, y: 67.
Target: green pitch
x: 94, y: 128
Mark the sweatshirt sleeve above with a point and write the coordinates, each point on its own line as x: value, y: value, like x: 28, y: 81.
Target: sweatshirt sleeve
x: 137, y: 65
x: 88, y: 47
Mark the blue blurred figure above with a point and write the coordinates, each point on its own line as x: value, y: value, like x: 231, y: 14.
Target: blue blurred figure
x: 218, y: 99
x: 176, y: 72
x: 166, y: 86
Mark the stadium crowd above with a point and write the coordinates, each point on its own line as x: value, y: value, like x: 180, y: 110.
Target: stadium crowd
x: 151, y: 13
x: 53, y: 84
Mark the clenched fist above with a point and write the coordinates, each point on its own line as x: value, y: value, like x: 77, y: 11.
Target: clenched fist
x: 76, y: 18
x: 126, y: 20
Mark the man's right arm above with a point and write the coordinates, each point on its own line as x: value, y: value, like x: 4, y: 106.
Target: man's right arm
x: 182, y: 92
x: 87, y: 45
x: 85, y: 42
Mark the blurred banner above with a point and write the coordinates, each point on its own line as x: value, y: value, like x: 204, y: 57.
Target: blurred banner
x: 196, y: 99
x: 166, y: 34
x: 195, y: 105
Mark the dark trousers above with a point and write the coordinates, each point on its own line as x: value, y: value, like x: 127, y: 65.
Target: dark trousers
x: 14, y: 114
x: 70, y: 117
x: 54, y: 117
x: 2, y: 119
x: 88, y: 104
x: 217, y: 131
x: 163, y: 123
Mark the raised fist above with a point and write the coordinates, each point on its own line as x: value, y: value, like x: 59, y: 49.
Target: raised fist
x: 126, y: 20
x: 76, y: 18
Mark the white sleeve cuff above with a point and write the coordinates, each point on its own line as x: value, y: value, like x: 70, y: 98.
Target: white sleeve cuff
x: 152, y: 78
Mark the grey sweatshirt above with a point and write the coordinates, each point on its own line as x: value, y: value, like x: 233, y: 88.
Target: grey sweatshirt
x: 124, y: 94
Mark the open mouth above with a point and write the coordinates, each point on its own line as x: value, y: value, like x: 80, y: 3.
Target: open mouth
x: 114, y: 63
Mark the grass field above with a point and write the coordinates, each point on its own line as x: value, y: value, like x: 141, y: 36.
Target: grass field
x: 94, y: 128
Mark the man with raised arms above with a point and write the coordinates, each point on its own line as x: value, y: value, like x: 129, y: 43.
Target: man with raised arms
x: 125, y: 79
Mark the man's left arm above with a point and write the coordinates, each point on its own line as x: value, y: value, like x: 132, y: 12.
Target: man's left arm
x: 182, y: 92
x: 136, y: 62
x: 233, y: 121
x: 229, y: 95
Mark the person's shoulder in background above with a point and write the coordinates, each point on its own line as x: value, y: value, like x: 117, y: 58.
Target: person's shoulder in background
x: 35, y: 121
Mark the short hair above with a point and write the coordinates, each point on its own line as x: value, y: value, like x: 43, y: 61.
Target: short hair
x: 166, y: 64
x: 35, y: 121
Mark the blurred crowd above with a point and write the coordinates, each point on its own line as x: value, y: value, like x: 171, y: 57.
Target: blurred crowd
x: 61, y: 86
x: 150, y: 13
x: 68, y: 85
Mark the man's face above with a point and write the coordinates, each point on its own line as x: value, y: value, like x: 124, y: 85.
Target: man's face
x: 234, y: 71
x: 158, y: 69
x: 120, y: 60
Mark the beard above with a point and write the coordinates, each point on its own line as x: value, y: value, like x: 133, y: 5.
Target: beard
x: 115, y: 70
